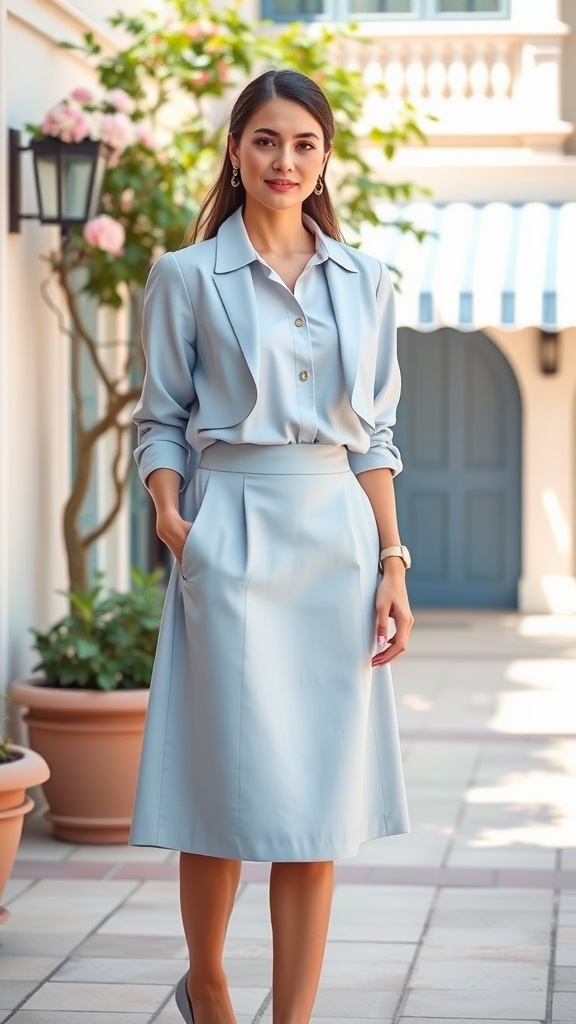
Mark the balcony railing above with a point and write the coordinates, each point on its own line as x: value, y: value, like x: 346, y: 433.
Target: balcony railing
x: 496, y: 84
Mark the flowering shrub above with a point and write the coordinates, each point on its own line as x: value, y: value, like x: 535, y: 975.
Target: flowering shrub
x: 155, y: 108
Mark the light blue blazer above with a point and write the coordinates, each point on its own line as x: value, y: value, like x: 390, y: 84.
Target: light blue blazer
x: 201, y: 335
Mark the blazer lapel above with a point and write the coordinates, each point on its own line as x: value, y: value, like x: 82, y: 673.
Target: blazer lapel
x: 233, y: 281
x: 357, y: 353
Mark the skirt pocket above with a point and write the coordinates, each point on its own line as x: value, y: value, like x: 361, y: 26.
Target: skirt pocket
x: 194, y: 543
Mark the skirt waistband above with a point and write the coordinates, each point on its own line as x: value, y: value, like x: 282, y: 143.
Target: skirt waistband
x: 275, y: 458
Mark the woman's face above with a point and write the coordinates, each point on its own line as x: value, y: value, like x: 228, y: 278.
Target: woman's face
x: 280, y: 155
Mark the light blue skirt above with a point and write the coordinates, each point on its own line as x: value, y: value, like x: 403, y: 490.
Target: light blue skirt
x: 269, y: 736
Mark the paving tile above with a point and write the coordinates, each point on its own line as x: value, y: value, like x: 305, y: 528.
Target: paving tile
x: 248, y: 1000
x: 250, y: 973
x: 253, y: 948
x: 115, y: 854
x: 102, y: 998
x: 465, y: 1020
x: 517, y: 900
x: 118, y: 970
x: 566, y: 956
x: 363, y: 976
x: 75, y: 1017
x: 458, y: 954
x: 342, y: 1002
x: 366, y: 952
x: 13, y: 888
x: 507, y: 937
x: 565, y: 979
x: 132, y: 946
x: 33, y: 944
x: 508, y: 1005
x: 12, y: 993
x: 15, y: 967
x: 430, y: 974
x: 563, y: 1007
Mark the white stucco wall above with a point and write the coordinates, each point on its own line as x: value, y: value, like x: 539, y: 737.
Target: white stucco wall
x: 34, y: 371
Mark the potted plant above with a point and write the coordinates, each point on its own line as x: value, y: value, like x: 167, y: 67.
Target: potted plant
x: 20, y: 769
x: 86, y: 710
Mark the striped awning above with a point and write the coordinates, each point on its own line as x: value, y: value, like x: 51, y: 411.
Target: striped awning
x: 496, y: 264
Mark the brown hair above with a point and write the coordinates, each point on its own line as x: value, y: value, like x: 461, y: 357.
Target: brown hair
x: 222, y: 200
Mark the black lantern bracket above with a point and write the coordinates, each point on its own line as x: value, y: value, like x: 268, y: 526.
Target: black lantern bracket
x: 68, y: 178
x: 15, y: 182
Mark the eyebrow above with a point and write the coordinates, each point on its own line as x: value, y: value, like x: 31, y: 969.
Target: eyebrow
x: 300, y: 135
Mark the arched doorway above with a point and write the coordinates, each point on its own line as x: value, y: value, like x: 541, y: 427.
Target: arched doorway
x: 459, y: 500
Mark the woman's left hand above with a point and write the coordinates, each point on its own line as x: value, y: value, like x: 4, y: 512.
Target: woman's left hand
x: 392, y: 603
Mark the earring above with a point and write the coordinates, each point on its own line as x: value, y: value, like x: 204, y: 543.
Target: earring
x: 235, y: 179
x: 319, y: 186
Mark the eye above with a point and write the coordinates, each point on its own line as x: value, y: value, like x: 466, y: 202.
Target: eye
x: 264, y: 142
x: 306, y: 145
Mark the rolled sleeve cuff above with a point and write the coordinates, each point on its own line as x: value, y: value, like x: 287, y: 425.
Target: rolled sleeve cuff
x: 162, y: 455
x: 378, y: 457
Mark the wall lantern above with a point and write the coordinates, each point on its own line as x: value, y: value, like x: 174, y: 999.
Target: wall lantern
x: 68, y: 177
x: 549, y: 350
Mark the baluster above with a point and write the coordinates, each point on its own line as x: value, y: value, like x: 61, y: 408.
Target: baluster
x: 415, y: 73
x: 394, y: 72
x: 436, y: 77
x: 479, y: 75
x: 501, y: 73
x: 457, y: 75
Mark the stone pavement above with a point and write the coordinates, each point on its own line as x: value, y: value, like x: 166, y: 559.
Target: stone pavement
x: 471, y: 918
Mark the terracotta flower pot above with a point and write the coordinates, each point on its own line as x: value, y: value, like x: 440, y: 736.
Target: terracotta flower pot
x: 27, y: 769
x: 91, y: 741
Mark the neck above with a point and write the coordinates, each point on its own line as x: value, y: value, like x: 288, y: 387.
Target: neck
x: 278, y: 231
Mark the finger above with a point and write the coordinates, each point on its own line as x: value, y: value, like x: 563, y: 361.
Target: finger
x: 394, y: 649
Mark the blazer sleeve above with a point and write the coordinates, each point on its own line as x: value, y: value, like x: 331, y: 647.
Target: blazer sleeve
x: 169, y: 340
x: 382, y: 452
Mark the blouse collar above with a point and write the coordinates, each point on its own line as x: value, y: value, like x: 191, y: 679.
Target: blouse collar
x: 234, y: 248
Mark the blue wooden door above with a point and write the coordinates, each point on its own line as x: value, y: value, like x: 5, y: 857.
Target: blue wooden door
x: 459, y: 501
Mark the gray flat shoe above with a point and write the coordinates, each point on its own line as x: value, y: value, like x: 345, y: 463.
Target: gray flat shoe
x: 183, y: 1000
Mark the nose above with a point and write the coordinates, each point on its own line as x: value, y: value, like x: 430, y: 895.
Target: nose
x: 284, y: 161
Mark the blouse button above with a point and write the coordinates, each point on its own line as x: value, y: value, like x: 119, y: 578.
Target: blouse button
x: 298, y: 321
x: 303, y: 374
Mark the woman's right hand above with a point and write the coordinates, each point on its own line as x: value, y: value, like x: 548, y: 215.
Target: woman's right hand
x: 173, y: 531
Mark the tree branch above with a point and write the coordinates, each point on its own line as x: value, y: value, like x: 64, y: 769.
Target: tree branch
x: 120, y: 482
x: 61, y: 270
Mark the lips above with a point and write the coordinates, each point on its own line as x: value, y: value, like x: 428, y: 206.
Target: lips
x: 280, y: 184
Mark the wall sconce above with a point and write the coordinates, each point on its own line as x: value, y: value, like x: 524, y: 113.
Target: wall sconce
x: 68, y: 177
x: 549, y: 351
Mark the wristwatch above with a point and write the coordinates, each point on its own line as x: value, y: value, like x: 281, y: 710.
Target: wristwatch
x: 400, y: 550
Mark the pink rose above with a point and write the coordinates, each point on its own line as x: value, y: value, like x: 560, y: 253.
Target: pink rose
x: 127, y: 200
x: 67, y: 122
x: 200, y: 29
x: 121, y: 100
x: 82, y: 95
x: 199, y: 78
x: 145, y: 135
x: 117, y: 130
x: 105, y: 233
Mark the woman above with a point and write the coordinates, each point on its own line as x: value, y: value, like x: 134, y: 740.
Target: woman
x: 265, y: 441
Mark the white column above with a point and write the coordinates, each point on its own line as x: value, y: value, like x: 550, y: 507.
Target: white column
x: 548, y: 580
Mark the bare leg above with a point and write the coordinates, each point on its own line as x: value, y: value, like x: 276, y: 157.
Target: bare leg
x: 208, y: 888
x: 300, y: 902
